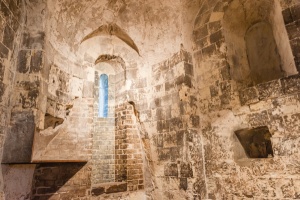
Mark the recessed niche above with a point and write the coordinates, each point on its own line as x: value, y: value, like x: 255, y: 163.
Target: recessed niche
x: 256, y: 142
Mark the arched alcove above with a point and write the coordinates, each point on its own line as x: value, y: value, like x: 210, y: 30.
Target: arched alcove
x: 104, y: 123
x: 262, y: 53
x: 258, y: 48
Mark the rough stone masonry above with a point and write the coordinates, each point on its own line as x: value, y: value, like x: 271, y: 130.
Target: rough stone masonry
x: 202, y: 99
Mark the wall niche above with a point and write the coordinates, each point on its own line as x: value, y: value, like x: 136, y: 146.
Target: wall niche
x: 258, y: 47
x: 256, y: 142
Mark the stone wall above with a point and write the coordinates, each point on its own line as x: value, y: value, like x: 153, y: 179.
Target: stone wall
x: 128, y: 149
x: 171, y: 124
x: 225, y: 106
x: 291, y: 19
x: 104, y: 135
x: 11, y: 19
x: 170, y: 133
x: 11, y: 26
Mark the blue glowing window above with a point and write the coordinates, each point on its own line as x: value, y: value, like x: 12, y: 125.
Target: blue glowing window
x: 103, y: 96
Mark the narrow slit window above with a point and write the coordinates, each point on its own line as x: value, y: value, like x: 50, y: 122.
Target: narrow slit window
x: 103, y: 96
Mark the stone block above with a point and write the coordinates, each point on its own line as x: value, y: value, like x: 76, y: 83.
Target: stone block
x: 97, y: 191
x: 217, y: 36
x: 200, y: 33
x: 287, y: 16
x: 204, y: 42
x: 295, y: 44
x: 23, y: 63
x: 248, y: 96
x: 269, y: 90
x: 3, y: 51
x: 163, y: 154
x: 160, y: 67
x: 88, y: 89
x: 171, y: 169
x: 19, y: 140
x: 34, y: 40
x: 37, y: 61
x: 184, y: 80
x: 176, y: 123
x: 14, y: 8
x: 160, y: 126
x: 295, y: 11
x: 225, y: 73
x: 209, y: 51
x: 116, y: 188
x: 214, y: 90
x: 292, y: 30
x: 175, y: 153
x: 259, y: 119
x: 291, y: 84
x: 8, y: 37
x: 195, y: 121
x: 2, y: 90
x: 188, y: 69
x: 183, y: 184
x: 4, y: 10
x: 170, y: 140
x: 202, y: 18
x: 214, y: 26
x: 186, y: 170
x: 169, y: 86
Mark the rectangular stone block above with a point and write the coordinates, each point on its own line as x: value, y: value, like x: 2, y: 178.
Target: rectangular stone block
x: 8, y: 37
x: 287, y: 16
x: 98, y: 191
x: 19, y: 140
x: 188, y: 69
x: 34, y: 41
x: 214, y: 26
x: 37, y: 61
x: 183, y: 184
x: 248, y: 96
x: 3, y: 51
x: 23, y: 63
x: 269, y: 90
x: 291, y: 84
x: 200, y: 33
x: 163, y: 154
x: 186, y: 170
x: 184, y: 80
x: 295, y: 11
x: 171, y: 169
x: 217, y: 36
x: 259, y: 119
x: 4, y: 10
x: 292, y: 30
x: 204, y: 42
x: 209, y: 51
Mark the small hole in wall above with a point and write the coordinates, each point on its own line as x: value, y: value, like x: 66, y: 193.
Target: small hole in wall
x: 256, y: 142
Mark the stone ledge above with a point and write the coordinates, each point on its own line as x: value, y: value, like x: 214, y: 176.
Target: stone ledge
x: 272, y: 89
x: 108, y: 188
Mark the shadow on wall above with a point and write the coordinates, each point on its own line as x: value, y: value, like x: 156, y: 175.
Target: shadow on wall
x: 60, y: 180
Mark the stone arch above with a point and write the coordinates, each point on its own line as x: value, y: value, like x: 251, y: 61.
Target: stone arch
x: 112, y: 29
